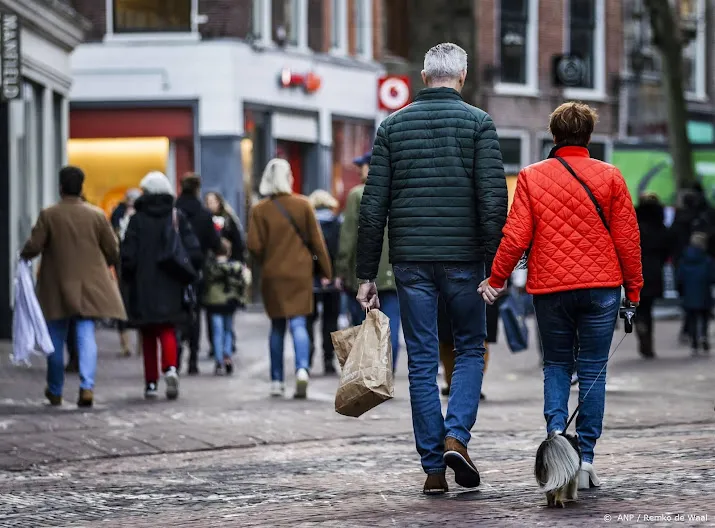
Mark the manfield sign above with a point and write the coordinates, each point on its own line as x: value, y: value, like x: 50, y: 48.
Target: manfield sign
x: 10, y: 78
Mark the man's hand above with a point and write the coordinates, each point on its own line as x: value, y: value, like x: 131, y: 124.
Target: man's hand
x: 367, y: 296
x: 489, y: 293
x: 324, y: 282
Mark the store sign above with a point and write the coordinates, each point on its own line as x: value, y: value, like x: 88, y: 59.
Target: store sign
x: 10, y: 78
x: 393, y: 92
x: 310, y: 82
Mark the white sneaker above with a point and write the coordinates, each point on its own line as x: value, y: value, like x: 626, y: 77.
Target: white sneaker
x: 277, y: 389
x: 301, y: 384
x: 171, y: 378
x: 587, y: 477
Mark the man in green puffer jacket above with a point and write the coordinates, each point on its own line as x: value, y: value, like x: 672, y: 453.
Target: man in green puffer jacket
x: 436, y: 172
x: 345, y: 265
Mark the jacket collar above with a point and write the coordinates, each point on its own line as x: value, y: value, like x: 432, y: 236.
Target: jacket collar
x: 433, y: 94
x: 71, y: 200
x: 567, y: 150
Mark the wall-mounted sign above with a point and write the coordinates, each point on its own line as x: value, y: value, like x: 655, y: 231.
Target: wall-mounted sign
x: 310, y: 82
x: 10, y: 78
x: 393, y: 92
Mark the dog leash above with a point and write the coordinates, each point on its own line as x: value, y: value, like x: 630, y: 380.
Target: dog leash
x: 573, y: 415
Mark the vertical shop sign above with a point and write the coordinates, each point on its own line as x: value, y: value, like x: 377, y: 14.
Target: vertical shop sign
x: 10, y: 78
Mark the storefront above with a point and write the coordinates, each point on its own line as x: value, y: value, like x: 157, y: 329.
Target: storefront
x: 37, y: 38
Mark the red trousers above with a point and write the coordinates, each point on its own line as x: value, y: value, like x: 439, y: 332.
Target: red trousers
x: 166, y: 335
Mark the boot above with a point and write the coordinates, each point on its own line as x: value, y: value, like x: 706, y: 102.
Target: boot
x: 457, y: 458
x: 54, y: 400
x: 436, y: 484
x: 645, y: 341
x: 86, y: 398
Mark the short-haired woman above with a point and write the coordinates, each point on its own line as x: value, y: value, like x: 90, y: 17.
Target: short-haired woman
x: 284, y: 236
x: 584, y: 245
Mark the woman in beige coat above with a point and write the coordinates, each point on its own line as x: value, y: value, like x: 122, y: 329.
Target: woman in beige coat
x: 285, y: 239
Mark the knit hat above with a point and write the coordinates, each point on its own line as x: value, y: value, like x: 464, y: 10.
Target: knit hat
x: 156, y: 183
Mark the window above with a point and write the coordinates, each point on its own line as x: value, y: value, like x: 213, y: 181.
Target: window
x: 695, y: 52
x: 315, y: 25
x: 338, y: 25
x: 258, y: 15
x: 152, y: 16
x: 362, y: 27
x: 514, y: 41
x: 597, y: 149
x: 511, y: 155
x: 582, y: 36
x: 284, y: 18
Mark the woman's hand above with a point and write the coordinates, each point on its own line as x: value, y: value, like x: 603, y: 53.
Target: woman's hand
x: 489, y: 293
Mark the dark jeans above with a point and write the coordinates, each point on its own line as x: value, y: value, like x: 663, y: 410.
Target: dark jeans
x: 72, y: 349
x: 582, y: 319
x: 644, y: 325
x: 190, y: 333
x: 697, y: 322
x: 329, y: 323
x: 419, y: 285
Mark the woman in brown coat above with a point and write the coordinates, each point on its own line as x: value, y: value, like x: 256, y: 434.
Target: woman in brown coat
x: 286, y: 240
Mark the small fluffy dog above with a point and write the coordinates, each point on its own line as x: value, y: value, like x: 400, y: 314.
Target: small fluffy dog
x: 558, y: 462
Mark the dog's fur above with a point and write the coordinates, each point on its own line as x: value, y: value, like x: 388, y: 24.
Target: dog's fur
x: 558, y: 462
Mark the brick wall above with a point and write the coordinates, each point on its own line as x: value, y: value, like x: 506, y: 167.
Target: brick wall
x: 96, y: 12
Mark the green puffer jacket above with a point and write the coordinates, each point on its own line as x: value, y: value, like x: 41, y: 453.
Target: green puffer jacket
x: 225, y: 285
x: 345, y: 263
x: 437, y: 173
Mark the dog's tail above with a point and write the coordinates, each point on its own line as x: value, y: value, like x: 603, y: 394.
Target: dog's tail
x: 557, y: 463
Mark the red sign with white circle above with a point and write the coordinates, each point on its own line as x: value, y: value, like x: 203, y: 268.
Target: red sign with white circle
x: 393, y: 92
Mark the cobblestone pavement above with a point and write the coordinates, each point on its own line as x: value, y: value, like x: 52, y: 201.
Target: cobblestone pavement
x: 227, y: 455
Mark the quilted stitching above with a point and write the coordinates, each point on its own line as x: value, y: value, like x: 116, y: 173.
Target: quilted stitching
x: 571, y: 247
x: 437, y: 172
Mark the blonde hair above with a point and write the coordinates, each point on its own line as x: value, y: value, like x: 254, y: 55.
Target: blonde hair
x: 573, y: 122
x: 321, y: 199
x: 277, y: 178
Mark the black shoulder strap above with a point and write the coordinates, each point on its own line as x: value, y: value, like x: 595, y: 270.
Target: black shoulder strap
x: 588, y: 191
x: 292, y: 221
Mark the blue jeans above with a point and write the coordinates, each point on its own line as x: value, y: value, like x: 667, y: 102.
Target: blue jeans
x: 301, y: 344
x: 357, y: 313
x: 419, y: 286
x: 576, y: 330
x: 87, y: 349
x: 222, y: 336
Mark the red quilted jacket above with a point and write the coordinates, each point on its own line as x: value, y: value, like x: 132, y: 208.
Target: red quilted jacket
x: 571, y: 247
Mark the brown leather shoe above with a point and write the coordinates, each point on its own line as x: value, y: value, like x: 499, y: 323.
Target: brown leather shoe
x: 54, y: 400
x: 457, y: 458
x: 86, y: 398
x: 436, y: 484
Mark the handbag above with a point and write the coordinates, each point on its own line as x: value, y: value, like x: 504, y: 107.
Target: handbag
x: 173, y: 257
x: 302, y: 237
x: 525, y: 258
x: 513, y: 315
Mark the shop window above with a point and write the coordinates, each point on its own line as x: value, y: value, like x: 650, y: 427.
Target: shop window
x: 284, y: 18
x: 511, y: 155
x: 152, y: 16
x: 316, y: 40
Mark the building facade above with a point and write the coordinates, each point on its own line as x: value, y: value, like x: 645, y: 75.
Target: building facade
x: 514, y: 44
x: 221, y: 86
x: 38, y: 37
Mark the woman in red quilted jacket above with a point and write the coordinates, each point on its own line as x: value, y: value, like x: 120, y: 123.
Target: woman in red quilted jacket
x: 575, y: 216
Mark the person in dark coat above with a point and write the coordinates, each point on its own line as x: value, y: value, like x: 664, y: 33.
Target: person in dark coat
x: 695, y: 276
x: 655, y: 251
x: 202, y: 224
x: 155, y: 300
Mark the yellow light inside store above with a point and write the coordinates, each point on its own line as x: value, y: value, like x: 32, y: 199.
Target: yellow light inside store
x: 113, y: 166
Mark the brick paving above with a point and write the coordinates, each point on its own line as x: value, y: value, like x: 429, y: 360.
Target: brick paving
x: 227, y: 455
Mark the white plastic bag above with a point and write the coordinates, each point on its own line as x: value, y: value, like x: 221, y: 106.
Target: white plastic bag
x: 29, y: 328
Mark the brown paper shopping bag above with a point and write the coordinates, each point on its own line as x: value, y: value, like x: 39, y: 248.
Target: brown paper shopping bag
x: 365, y: 356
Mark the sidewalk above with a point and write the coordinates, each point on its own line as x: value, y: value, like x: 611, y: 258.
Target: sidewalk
x: 227, y: 455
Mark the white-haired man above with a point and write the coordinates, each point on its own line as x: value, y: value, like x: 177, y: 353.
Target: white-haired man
x: 436, y: 172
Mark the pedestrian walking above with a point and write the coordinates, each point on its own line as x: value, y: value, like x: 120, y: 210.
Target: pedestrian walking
x: 436, y: 172
x: 202, y: 225
x: 695, y: 277
x: 77, y: 245
x: 577, y: 217
x: 655, y: 251
x: 327, y: 297
x: 229, y: 227
x: 157, y: 299
x: 285, y: 238
x: 131, y: 197
x: 345, y: 264
x: 223, y: 291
